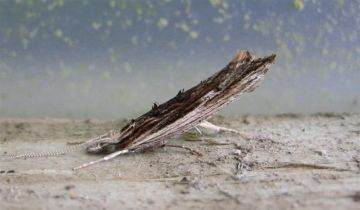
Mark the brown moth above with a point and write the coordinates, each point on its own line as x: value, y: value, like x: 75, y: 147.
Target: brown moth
x: 179, y: 114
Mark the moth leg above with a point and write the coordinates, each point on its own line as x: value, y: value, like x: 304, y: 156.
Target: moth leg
x: 198, y: 131
x: 217, y: 129
x: 192, y: 151
x: 158, y: 144
x: 106, y: 158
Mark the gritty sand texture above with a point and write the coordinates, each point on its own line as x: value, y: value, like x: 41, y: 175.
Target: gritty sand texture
x: 288, y: 162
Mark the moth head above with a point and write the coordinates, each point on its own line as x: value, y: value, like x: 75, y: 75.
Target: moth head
x: 104, y: 144
x: 100, y: 148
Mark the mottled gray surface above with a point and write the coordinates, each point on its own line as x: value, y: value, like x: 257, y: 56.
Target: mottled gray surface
x: 270, y: 175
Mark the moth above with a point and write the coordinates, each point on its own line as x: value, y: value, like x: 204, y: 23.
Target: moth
x: 186, y: 110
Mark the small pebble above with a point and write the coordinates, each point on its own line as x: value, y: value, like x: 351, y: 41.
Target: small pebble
x: 58, y: 196
x: 321, y: 152
x: 184, y: 180
x: 73, y: 195
x: 237, y: 152
x: 69, y: 187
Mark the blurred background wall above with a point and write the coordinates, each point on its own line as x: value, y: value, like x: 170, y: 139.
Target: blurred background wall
x: 113, y: 58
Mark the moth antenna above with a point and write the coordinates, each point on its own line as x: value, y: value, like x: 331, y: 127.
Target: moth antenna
x: 59, y: 152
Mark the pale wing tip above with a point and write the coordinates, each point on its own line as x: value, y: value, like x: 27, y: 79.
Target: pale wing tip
x: 245, y: 56
x: 241, y: 56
